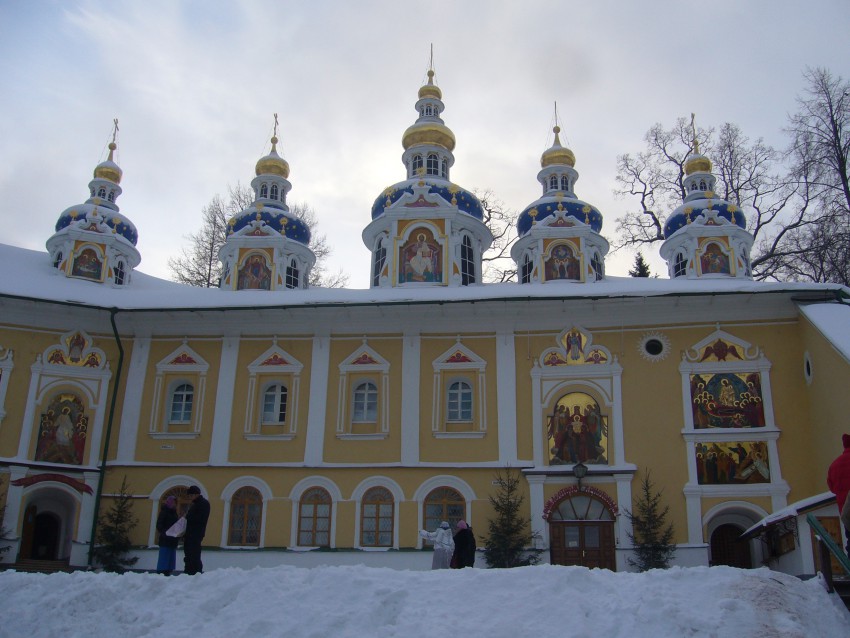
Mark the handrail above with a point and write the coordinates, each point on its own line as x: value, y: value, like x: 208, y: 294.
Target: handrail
x: 828, y: 546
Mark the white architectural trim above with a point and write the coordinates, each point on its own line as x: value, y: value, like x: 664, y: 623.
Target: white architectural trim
x: 357, y: 496
x: 220, y: 442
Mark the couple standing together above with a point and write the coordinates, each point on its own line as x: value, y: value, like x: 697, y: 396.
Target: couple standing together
x: 196, y: 526
x: 454, y: 552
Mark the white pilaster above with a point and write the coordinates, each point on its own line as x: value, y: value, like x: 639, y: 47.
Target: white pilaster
x: 316, y: 413
x: 129, y: 432
x: 506, y: 397
x: 224, y: 401
x: 410, y: 373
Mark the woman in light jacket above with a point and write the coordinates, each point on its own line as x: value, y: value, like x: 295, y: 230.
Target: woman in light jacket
x: 444, y: 545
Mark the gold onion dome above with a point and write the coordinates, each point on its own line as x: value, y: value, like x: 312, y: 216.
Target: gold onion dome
x: 109, y: 169
x: 273, y: 164
x: 428, y: 133
x: 557, y: 154
x: 430, y: 89
x: 697, y: 164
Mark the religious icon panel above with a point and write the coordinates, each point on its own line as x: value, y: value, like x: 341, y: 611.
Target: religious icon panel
x: 577, y: 431
x: 727, y: 400
x: 730, y: 463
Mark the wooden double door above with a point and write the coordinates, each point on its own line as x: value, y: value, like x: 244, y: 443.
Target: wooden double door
x: 585, y: 543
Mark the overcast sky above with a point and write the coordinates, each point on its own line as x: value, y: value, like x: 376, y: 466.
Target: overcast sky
x: 195, y: 85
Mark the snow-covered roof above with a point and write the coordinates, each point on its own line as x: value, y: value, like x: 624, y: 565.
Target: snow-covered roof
x: 795, y: 509
x: 29, y: 274
x: 833, y: 321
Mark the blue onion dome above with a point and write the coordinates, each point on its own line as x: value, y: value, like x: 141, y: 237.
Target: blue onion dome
x: 557, y: 176
x: 273, y: 164
x: 283, y: 222
x: 101, y: 208
x: 465, y: 201
x: 96, y: 214
x: 691, y: 209
x: 550, y: 205
x: 699, y: 185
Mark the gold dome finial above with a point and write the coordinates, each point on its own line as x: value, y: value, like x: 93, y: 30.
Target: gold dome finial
x: 430, y: 89
x: 109, y: 170
x: 273, y: 164
x: 557, y: 154
x: 696, y: 163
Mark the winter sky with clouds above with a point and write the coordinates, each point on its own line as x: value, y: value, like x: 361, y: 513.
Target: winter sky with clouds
x: 195, y: 84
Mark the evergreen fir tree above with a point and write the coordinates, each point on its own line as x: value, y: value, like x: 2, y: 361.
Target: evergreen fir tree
x: 641, y: 268
x: 510, y: 542
x: 113, y: 533
x: 651, y: 535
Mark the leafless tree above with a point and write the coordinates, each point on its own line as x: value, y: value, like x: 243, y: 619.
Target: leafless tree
x: 198, y: 265
x: 496, y: 262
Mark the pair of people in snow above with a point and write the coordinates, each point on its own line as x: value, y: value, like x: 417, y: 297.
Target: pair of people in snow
x: 456, y: 551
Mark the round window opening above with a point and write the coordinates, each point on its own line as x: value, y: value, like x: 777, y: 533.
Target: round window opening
x: 654, y: 346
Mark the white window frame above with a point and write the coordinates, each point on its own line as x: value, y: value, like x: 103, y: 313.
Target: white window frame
x: 367, y: 365
x: 182, y: 365
x: 459, y: 363
x: 274, y: 366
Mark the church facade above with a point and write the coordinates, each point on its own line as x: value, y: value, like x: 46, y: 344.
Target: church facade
x: 330, y: 426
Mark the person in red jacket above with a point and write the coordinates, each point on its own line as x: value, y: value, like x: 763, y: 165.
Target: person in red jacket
x: 838, y: 480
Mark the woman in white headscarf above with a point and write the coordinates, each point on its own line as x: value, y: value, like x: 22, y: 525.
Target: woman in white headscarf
x: 444, y: 545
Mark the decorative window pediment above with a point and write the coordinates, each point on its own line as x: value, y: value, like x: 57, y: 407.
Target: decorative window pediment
x: 273, y: 387
x: 180, y: 384
x: 575, y: 349
x: 361, y: 372
x: 460, y: 391
x: 75, y: 349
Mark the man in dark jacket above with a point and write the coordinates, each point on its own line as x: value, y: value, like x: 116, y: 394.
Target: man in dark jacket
x: 196, y: 527
x: 838, y: 480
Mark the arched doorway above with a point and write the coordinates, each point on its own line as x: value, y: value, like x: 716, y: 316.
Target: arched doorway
x: 581, y: 531
x: 727, y: 548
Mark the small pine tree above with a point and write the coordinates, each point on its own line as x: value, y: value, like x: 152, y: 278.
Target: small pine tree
x: 651, y: 535
x: 113, y: 533
x: 641, y: 268
x: 509, y: 543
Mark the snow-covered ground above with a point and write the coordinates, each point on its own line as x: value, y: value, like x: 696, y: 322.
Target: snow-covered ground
x: 359, y: 602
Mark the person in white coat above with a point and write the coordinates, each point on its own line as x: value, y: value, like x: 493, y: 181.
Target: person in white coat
x: 444, y: 545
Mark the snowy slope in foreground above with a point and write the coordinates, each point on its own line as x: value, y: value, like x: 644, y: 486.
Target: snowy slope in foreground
x: 357, y: 602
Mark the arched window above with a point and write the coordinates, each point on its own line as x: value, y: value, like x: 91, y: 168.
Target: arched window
x: 429, y: 110
x: 702, y: 186
x: 598, y: 266
x: 565, y: 183
x: 553, y: 182
x: 380, y: 260
x: 417, y: 164
x: 101, y: 192
x: 181, y: 404
x: 679, y: 266
x: 58, y: 261
x: 314, y: 518
x: 443, y: 504
x: 264, y: 191
x: 467, y: 262
x: 246, y: 515
x: 376, y: 518
x: 118, y: 273
x: 433, y: 165
x: 273, y: 193
x: 444, y: 169
x: 111, y: 196
x: 364, y: 407
x: 274, y: 405
x: 459, y: 402
x: 292, y: 275
x: 525, y: 272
